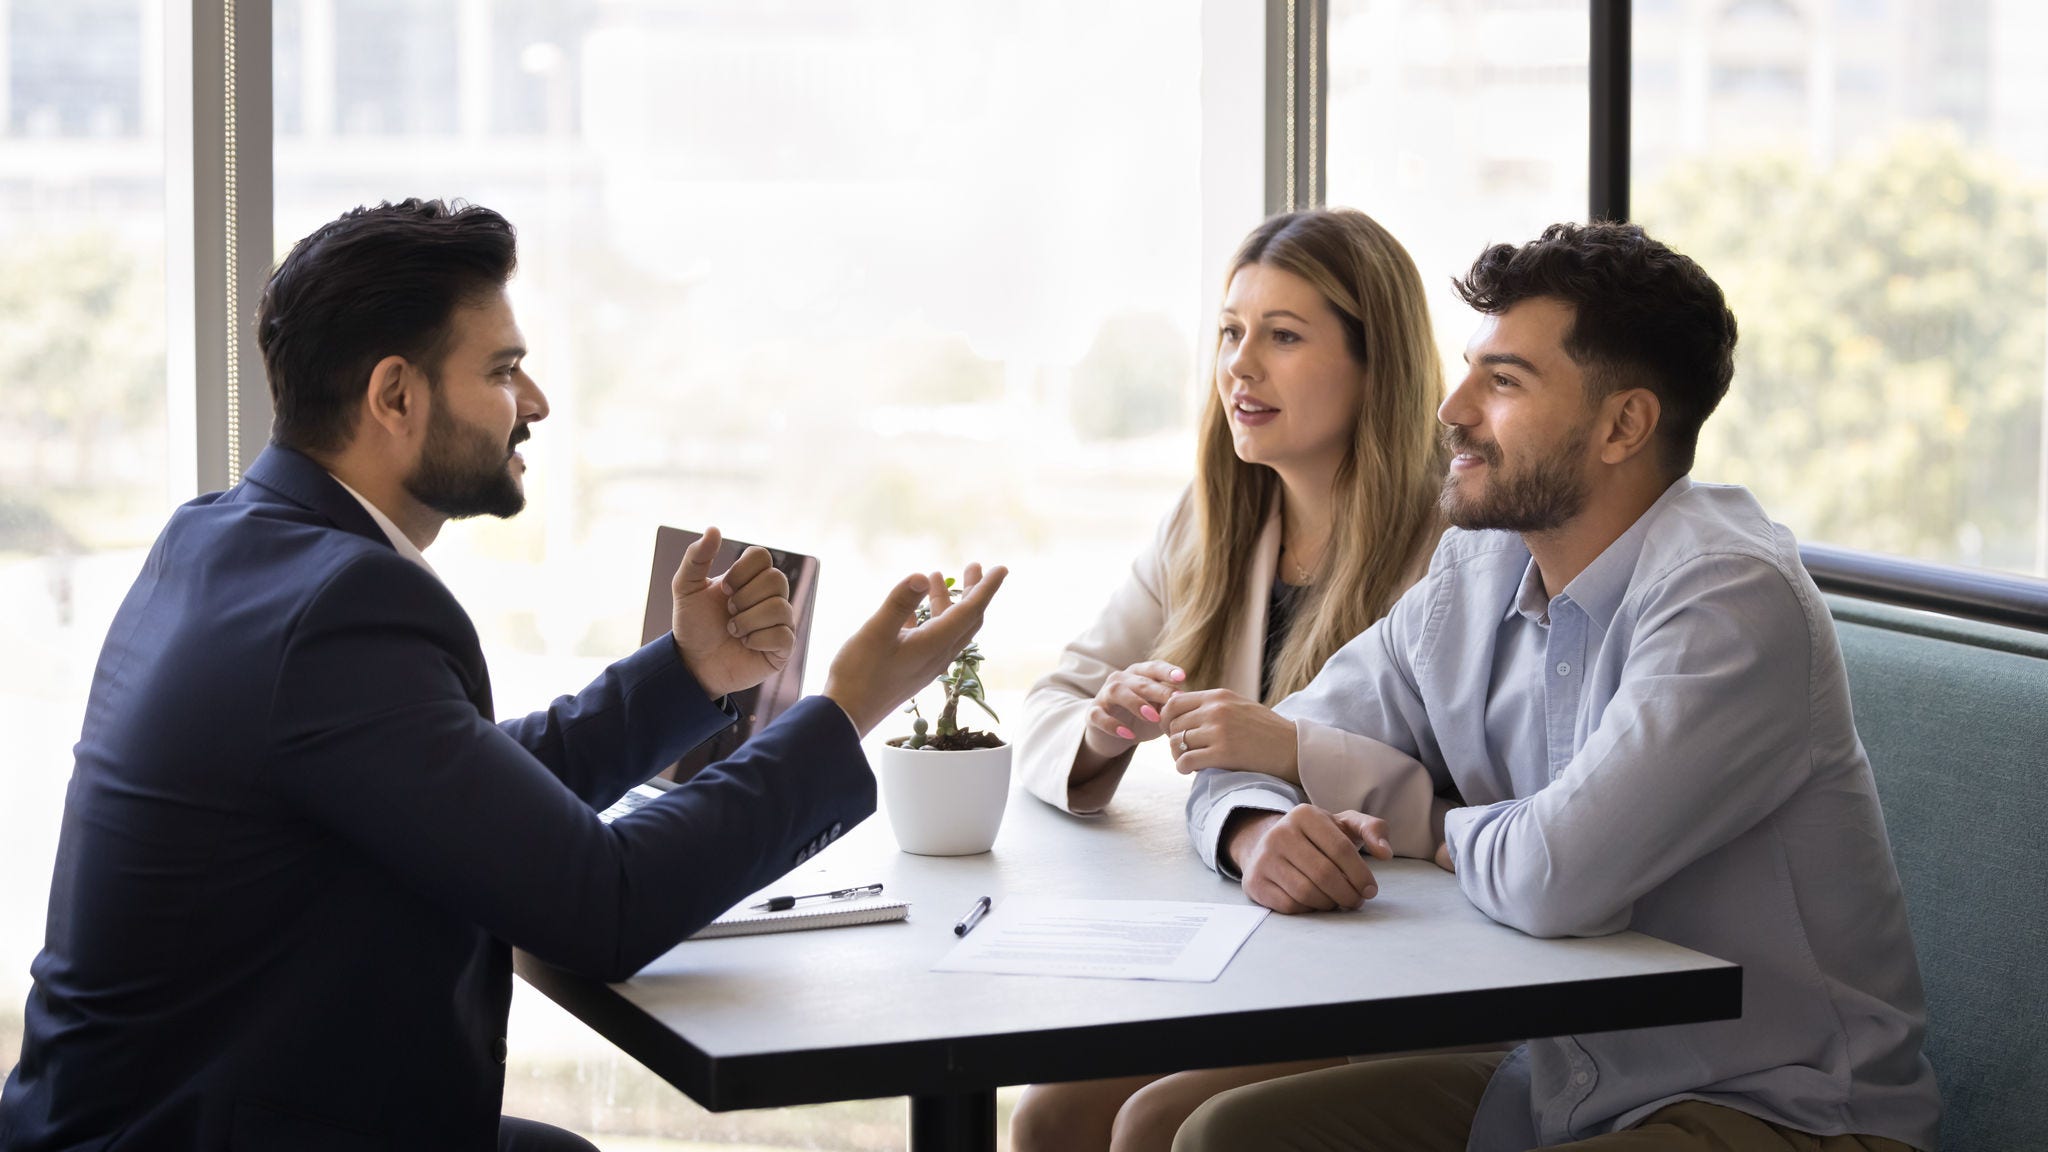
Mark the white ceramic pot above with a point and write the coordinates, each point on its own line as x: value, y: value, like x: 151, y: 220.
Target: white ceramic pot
x: 946, y: 803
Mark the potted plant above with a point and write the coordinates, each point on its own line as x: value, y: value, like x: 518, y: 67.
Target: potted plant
x: 945, y: 786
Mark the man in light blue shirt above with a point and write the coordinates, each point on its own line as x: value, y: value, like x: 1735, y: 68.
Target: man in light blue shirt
x: 1616, y: 701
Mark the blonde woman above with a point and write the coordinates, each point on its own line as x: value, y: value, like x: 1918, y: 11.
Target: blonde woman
x: 1314, y: 507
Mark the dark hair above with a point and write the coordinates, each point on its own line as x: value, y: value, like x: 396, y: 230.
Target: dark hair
x: 377, y: 282
x: 1643, y: 317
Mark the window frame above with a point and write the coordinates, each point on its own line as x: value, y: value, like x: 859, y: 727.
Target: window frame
x: 219, y: 173
x: 1973, y: 594
x: 1297, y: 91
x: 218, y: 235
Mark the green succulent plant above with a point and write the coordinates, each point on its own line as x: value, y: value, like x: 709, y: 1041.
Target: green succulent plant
x: 962, y: 681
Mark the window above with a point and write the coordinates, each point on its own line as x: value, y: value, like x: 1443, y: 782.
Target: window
x: 74, y: 70
x: 898, y: 285
x: 84, y: 475
x: 530, y: 87
x: 1458, y: 126
x: 1869, y: 192
x: 909, y: 283
x: 394, y: 66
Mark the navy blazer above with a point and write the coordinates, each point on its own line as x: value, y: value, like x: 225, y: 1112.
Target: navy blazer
x: 296, y: 847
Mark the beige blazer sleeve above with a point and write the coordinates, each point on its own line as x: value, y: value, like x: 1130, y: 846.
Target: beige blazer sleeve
x: 1341, y: 770
x: 1128, y: 631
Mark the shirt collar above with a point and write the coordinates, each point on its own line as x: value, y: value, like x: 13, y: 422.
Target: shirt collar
x: 399, y: 540
x: 1599, y: 589
x: 1530, y: 603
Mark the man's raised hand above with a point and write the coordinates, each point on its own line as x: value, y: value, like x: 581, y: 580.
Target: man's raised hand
x: 735, y: 629
x: 894, y: 655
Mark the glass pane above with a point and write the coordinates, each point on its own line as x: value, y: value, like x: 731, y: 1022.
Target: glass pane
x: 1458, y: 125
x: 898, y: 285
x: 84, y: 483
x: 1865, y: 179
x: 75, y: 69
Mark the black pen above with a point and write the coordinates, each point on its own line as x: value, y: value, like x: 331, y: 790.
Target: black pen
x: 783, y: 903
x: 973, y: 917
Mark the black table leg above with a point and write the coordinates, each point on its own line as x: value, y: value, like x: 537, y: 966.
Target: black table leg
x: 965, y: 1122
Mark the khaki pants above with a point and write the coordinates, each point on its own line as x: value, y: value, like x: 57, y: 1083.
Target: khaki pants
x: 1425, y: 1104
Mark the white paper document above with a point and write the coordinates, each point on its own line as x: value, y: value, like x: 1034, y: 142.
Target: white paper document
x: 1111, y: 939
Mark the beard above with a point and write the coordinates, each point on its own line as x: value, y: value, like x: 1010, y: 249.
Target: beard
x: 465, y: 471
x: 1541, y: 496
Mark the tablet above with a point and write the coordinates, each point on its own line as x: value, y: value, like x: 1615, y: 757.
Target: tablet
x: 757, y: 706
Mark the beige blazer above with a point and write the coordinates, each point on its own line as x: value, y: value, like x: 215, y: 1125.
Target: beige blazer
x: 1128, y: 631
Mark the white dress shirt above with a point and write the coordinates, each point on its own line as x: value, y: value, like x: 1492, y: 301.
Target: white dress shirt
x: 399, y: 540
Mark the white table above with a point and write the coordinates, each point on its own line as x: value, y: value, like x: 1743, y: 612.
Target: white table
x: 852, y: 1013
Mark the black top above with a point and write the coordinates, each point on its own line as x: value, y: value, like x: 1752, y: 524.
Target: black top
x: 1280, y: 611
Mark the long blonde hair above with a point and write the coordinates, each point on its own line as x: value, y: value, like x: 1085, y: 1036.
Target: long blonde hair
x: 1385, y: 490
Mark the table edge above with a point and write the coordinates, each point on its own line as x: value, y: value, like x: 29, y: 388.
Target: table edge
x: 992, y: 1060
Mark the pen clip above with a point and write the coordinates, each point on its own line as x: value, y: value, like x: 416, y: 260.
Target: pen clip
x: 785, y: 903
x: 973, y: 916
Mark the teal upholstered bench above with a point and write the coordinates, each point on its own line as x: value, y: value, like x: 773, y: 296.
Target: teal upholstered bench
x: 1954, y: 715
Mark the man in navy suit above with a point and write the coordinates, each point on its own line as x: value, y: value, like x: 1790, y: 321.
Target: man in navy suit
x: 296, y: 849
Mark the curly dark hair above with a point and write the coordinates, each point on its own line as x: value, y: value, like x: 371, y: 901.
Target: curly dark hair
x: 374, y: 282
x: 1644, y: 317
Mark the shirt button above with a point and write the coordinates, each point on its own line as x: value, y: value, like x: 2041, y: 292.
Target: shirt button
x: 1580, y: 1077
x: 1564, y: 668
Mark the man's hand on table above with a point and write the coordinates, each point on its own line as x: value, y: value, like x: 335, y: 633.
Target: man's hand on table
x: 1306, y: 860
x: 893, y: 655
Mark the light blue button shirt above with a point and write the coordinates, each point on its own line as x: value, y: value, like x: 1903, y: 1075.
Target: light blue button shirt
x: 1666, y: 745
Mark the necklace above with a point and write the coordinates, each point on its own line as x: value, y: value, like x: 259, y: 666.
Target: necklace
x: 1303, y: 573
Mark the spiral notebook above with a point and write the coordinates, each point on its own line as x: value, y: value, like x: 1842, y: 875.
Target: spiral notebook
x: 742, y: 922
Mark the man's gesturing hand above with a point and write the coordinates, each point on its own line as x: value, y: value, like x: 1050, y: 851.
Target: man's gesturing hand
x: 1307, y: 860
x: 734, y: 630
x: 892, y: 656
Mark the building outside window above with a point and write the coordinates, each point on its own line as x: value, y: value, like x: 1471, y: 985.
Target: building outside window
x: 85, y: 472
x: 74, y: 70
x: 1458, y: 125
x: 1866, y: 181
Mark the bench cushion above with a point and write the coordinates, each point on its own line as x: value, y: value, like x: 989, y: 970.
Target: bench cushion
x: 1955, y: 718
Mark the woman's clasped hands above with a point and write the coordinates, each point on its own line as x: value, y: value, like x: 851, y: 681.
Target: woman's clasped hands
x: 1214, y: 728
x: 1128, y: 706
x: 1220, y: 729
